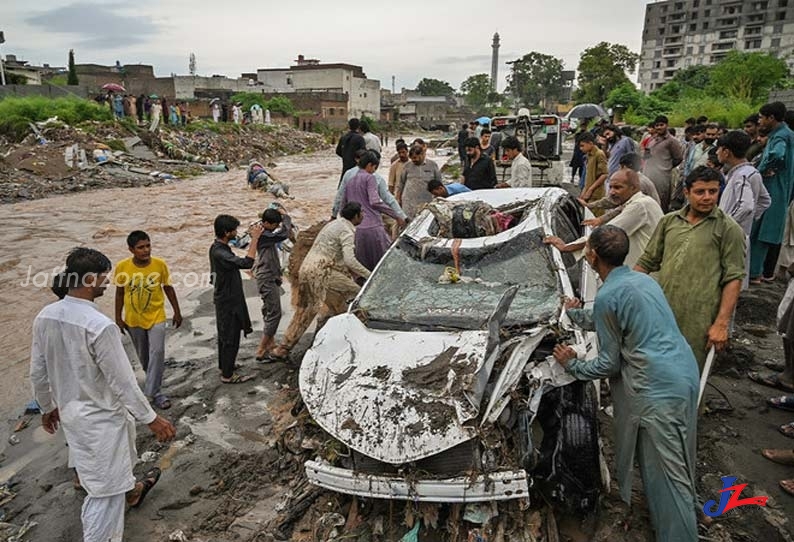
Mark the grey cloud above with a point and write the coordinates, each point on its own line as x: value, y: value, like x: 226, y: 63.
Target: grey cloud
x: 464, y: 59
x: 102, y: 26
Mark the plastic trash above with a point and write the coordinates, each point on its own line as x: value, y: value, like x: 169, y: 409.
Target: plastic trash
x: 149, y: 457
x: 413, y: 534
x: 178, y: 536
x: 13, y: 440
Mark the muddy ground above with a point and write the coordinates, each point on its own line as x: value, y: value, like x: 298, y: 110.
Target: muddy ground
x: 234, y: 471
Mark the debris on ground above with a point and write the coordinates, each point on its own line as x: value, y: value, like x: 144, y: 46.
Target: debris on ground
x: 57, y: 159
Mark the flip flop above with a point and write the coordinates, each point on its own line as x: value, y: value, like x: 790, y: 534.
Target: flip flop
x: 773, y: 381
x: 148, y: 481
x: 237, y: 379
x: 272, y: 358
x: 785, y: 402
x: 781, y: 457
x: 790, y: 488
x: 787, y: 430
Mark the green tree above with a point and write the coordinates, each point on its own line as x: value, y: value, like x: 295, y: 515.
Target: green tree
x: 694, y: 77
x: 476, y: 90
x: 536, y: 77
x: 625, y: 95
x: 747, y: 77
x: 434, y: 87
x: 602, y: 68
x: 71, y: 78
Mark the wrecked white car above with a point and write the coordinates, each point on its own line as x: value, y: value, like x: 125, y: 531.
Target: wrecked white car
x: 439, y: 379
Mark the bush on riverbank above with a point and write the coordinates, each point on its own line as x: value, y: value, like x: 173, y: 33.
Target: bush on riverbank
x: 16, y: 113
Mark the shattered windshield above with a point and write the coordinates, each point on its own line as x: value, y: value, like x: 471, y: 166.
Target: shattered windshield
x: 406, y: 289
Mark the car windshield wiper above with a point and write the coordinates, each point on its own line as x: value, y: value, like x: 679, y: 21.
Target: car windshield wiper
x: 403, y: 325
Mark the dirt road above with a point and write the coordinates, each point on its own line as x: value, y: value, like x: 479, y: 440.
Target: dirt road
x: 233, y: 472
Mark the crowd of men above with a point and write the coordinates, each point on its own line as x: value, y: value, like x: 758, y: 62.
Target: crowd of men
x: 655, y: 334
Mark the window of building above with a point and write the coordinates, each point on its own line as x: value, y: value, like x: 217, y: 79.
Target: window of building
x: 702, y: 49
x: 689, y: 50
x: 727, y: 34
x: 693, y: 27
x: 781, y: 16
x: 657, y: 53
x: 752, y: 44
x: 756, y: 18
x: 654, y: 75
x: 365, y: 94
x: 760, y: 6
x: 753, y: 31
x: 289, y: 80
x: 777, y: 29
x: 679, y: 6
x: 696, y: 3
x: 662, y: 20
x: 693, y: 15
x: 676, y: 29
x: 664, y: 9
x: 782, y: 3
x: 722, y: 46
x: 731, y: 10
x: 708, y: 2
x: 671, y: 63
x: 660, y: 31
x: 657, y: 64
x: 775, y: 42
x: 707, y: 13
x: 331, y: 111
x: 706, y: 25
x: 687, y: 62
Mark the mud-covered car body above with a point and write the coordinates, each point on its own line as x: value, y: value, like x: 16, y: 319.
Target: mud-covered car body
x: 434, y: 386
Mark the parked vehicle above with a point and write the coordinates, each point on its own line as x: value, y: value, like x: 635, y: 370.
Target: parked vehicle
x: 439, y: 379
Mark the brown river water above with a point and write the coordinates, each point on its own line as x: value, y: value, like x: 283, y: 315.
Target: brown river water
x: 37, y: 236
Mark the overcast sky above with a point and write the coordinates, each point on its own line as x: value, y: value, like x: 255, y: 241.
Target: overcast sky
x: 408, y: 39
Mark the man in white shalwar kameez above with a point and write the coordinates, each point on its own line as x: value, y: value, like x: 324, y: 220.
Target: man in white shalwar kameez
x: 83, y: 380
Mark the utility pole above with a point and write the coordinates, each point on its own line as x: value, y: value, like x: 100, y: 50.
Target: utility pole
x: 393, y: 79
x: 2, y: 71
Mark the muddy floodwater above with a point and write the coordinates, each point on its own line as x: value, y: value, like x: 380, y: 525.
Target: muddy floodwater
x: 37, y: 235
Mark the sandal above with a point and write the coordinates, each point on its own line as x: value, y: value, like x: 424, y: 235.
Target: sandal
x: 781, y: 457
x: 773, y: 381
x: 162, y: 402
x: 787, y: 486
x: 785, y: 402
x: 237, y: 379
x: 148, y: 481
x: 272, y: 358
x: 787, y: 430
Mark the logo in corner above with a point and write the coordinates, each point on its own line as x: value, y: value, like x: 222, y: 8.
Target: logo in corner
x: 729, y: 498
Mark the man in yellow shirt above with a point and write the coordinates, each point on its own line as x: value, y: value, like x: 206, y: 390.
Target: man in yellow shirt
x: 142, y: 284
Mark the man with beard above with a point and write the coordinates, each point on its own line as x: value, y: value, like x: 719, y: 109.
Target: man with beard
x: 751, y: 129
x: 412, y: 185
x: 638, y: 217
x: 481, y: 172
x: 777, y: 169
x: 698, y: 253
x: 662, y: 153
x: 618, y: 146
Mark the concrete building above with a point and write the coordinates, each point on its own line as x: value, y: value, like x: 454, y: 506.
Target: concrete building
x: 681, y: 33
x: 34, y: 75
x: 310, y: 75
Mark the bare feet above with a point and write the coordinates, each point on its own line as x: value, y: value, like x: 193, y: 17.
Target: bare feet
x: 788, y: 486
x: 781, y: 457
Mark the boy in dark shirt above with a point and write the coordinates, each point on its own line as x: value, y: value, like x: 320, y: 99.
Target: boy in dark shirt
x: 231, y: 311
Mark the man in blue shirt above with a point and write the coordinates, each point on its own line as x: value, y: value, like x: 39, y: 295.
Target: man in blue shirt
x: 441, y: 190
x: 654, y: 381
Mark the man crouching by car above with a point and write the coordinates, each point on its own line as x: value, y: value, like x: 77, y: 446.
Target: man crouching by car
x: 654, y: 379
x: 325, y: 284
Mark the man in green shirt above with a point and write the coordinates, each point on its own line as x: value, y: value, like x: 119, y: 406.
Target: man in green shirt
x: 699, y: 253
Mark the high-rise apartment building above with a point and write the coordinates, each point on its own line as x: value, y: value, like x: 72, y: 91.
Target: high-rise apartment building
x: 681, y: 33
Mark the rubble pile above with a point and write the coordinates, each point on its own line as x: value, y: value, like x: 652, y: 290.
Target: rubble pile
x: 234, y: 144
x: 58, y: 159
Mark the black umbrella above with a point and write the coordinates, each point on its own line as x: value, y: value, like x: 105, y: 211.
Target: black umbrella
x: 587, y: 111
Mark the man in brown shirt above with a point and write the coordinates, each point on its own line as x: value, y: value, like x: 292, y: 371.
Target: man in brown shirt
x: 662, y: 154
x: 595, y: 168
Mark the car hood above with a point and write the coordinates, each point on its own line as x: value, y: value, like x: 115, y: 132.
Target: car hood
x: 399, y: 396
